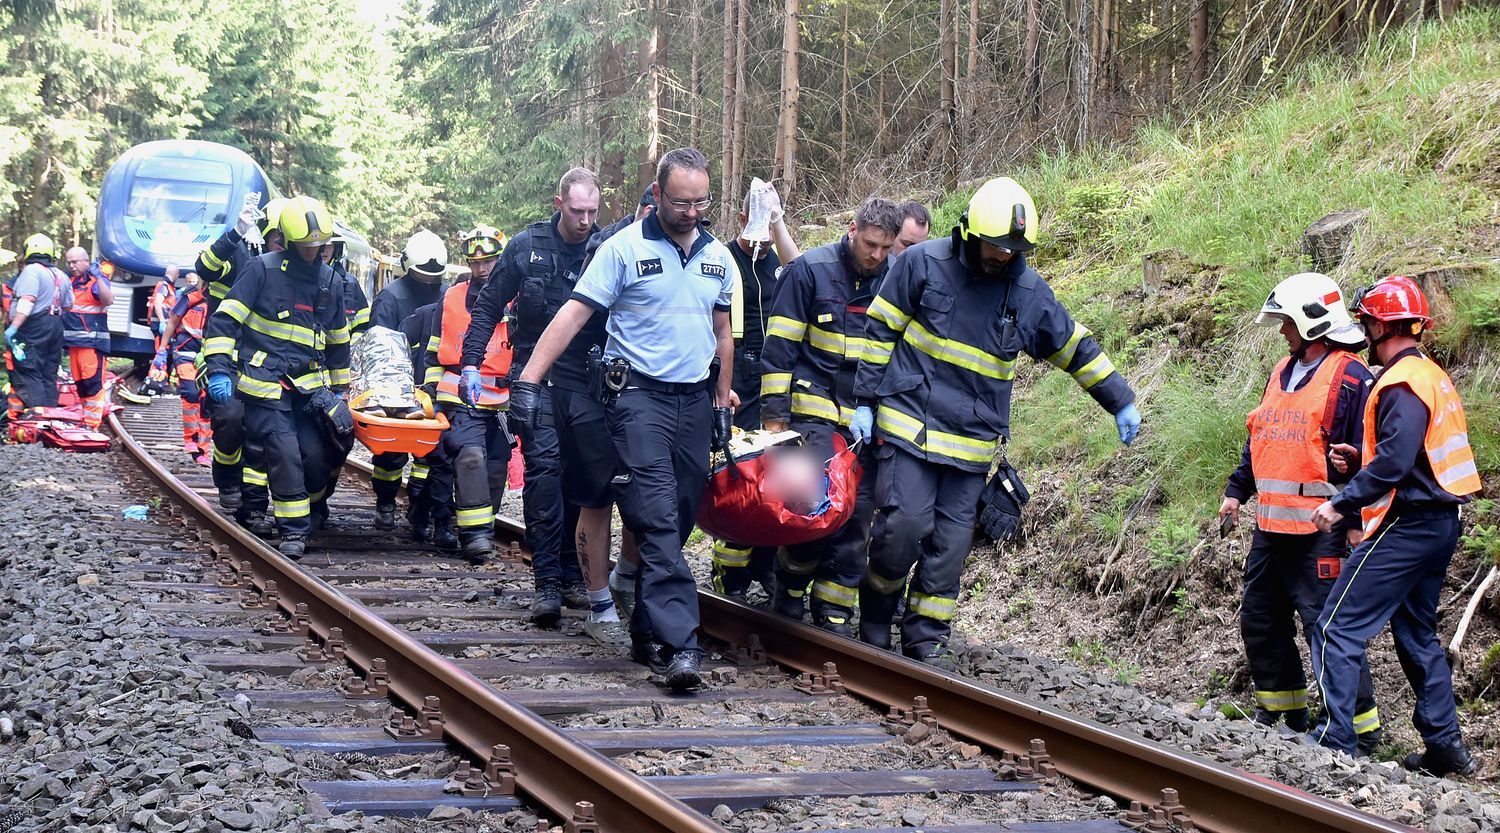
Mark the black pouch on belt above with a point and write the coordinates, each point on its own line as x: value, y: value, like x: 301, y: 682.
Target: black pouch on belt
x: 1000, y: 504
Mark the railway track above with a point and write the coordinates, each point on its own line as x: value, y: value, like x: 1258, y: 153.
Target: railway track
x: 546, y: 720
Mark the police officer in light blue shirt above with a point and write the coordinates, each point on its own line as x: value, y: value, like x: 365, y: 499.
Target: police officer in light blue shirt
x: 667, y: 285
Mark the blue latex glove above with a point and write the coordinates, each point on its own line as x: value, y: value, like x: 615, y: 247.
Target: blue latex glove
x: 472, y: 387
x: 161, y: 328
x: 10, y: 335
x: 220, y: 387
x: 1128, y: 420
x: 160, y: 361
x: 862, y: 426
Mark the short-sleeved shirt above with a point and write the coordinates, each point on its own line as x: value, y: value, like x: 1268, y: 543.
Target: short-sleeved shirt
x: 660, y: 299
x: 41, y: 281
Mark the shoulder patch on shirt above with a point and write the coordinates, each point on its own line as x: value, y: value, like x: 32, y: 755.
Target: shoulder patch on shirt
x: 538, y: 257
x: 714, y: 270
x: 648, y: 267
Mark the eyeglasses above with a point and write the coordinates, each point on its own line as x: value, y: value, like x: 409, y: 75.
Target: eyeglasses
x: 684, y: 205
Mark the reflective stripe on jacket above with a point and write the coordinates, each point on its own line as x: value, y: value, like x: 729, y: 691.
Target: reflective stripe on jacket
x: 493, y: 371
x: 1446, y: 443
x: 87, y: 324
x: 815, y: 337
x: 1289, y: 446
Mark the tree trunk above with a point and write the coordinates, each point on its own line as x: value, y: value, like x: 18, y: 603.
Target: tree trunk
x: 653, y: 60
x: 1198, y: 42
x: 695, y: 75
x: 1033, y: 59
x: 791, y: 95
x: 727, y: 124
x: 611, y: 151
x: 1083, y: 70
x: 948, y: 95
x: 973, y: 40
x: 844, y: 100
x: 741, y: 74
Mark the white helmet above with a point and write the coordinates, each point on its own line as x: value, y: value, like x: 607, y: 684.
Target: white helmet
x: 425, y: 255
x: 1315, y: 306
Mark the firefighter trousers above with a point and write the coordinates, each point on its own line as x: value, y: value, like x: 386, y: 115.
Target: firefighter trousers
x: 1393, y: 576
x: 835, y: 564
x: 386, y: 479
x: 86, y: 366
x: 33, y: 379
x: 662, y: 440
x: 1289, y: 576
x: 477, y: 444
x: 549, y: 532
x: 298, y: 458
x: 924, y: 516
x: 239, y: 461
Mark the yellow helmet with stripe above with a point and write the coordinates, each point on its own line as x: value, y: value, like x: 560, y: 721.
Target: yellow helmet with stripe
x: 306, y: 221
x: 272, y: 221
x: 36, y: 245
x: 1001, y: 212
x: 483, y: 242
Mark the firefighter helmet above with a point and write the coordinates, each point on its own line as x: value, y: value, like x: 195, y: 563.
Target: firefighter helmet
x: 38, y: 245
x: 1393, y: 298
x: 425, y: 254
x: 483, y: 242
x: 272, y: 219
x: 305, y: 221
x: 1314, y: 305
x: 1001, y: 212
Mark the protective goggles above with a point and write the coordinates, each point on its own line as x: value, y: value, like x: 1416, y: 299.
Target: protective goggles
x: 480, y: 248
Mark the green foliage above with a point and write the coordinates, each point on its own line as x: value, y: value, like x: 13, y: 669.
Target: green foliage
x: 1194, y: 429
x: 1092, y: 653
x: 1483, y: 538
x: 1171, y: 541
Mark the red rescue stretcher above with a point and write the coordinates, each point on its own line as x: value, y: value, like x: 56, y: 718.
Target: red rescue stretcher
x: 60, y: 428
x: 737, y: 507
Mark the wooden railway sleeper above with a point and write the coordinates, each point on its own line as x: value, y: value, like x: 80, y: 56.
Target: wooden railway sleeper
x: 828, y: 682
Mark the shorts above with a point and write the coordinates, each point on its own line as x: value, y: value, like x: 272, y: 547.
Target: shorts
x: 589, y: 463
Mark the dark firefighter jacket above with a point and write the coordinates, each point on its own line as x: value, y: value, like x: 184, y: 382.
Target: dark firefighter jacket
x: 941, y: 348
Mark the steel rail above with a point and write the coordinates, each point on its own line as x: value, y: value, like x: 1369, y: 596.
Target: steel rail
x: 1219, y: 798
x: 551, y: 767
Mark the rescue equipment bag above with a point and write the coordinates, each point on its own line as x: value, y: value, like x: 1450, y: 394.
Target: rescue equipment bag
x: 738, y: 507
x: 1000, y: 504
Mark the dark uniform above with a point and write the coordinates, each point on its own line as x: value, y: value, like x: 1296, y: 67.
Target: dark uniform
x: 239, y: 467
x: 566, y: 465
x: 661, y: 301
x: 736, y: 565
x: 1291, y: 566
x: 282, y: 330
x: 392, y: 307
x: 476, y: 442
x: 940, y: 356
x: 815, y: 339
x: 33, y: 378
x: 420, y: 330
x: 357, y: 315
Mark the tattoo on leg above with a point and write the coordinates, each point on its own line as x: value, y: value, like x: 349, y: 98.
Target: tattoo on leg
x: 583, y: 558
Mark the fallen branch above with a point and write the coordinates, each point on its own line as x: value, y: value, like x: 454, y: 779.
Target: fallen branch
x: 1455, y: 659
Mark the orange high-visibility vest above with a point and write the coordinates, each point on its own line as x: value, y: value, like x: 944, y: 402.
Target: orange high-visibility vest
x: 497, y: 354
x: 1447, y: 441
x: 1289, y: 446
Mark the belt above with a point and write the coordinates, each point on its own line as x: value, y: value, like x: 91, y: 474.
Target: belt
x: 644, y: 382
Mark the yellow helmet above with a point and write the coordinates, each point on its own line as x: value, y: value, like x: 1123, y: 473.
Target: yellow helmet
x: 483, y: 242
x: 36, y: 245
x: 272, y: 221
x: 305, y: 221
x: 1002, y: 213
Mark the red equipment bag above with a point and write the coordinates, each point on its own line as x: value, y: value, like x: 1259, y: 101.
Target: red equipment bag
x: 736, y: 506
x: 60, y: 428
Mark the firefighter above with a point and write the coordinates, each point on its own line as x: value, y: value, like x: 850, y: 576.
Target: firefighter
x: 1415, y: 468
x: 239, y: 467
x: 1314, y: 399
x: 760, y: 268
x: 941, y: 344
x: 667, y: 285
x: 158, y: 311
x: 184, y: 333
x: 424, y: 262
x: 357, y: 314
x: 38, y: 296
x: 86, y: 333
x: 420, y: 330
x: 282, y: 331
x: 567, y: 496
x: 473, y: 398
x: 814, y: 341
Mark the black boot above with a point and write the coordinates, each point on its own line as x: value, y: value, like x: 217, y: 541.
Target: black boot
x: 833, y: 620
x: 421, y: 522
x: 576, y: 595
x: 293, y: 547
x: 230, y: 498
x: 682, y: 671
x: 477, y: 547
x: 546, y: 606
x: 1366, y: 743
x: 385, y: 516
x: 937, y: 656
x: 789, y: 603
x: 876, y: 634
x: 443, y: 537
x: 1442, y: 759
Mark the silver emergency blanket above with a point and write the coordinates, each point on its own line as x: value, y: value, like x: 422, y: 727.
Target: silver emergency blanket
x: 380, y: 372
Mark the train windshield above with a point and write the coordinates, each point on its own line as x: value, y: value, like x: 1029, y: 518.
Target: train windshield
x: 177, y: 190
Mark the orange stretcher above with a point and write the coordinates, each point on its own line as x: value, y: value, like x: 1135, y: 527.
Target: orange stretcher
x: 383, y: 434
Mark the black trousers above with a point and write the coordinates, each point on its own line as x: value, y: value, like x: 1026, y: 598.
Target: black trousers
x: 554, y: 558
x: 479, y: 447
x: 239, y: 462
x: 662, y: 441
x: 34, y: 378
x: 388, y: 468
x: 924, y: 516
x: 834, y: 564
x: 297, y: 454
x: 736, y: 565
x: 1282, y: 580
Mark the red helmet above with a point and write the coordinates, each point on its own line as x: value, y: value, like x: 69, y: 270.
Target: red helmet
x: 1394, y: 298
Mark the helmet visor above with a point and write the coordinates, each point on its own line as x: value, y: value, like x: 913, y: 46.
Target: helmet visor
x: 481, y: 248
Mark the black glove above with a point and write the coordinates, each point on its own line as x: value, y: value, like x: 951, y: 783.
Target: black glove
x: 525, y: 406
x: 1000, y: 504
x: 723, y: 427
x: 333, y: 410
